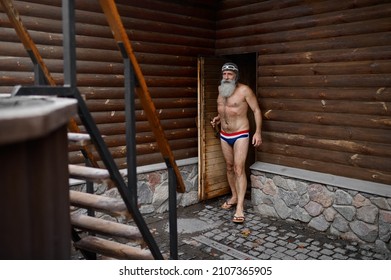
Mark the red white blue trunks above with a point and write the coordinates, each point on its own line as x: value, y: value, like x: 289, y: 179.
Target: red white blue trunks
x: 231, y: 138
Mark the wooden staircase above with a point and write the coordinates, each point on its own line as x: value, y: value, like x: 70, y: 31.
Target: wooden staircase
x: 97, y: 236
x: 107, y: 238
x: 93, y: 233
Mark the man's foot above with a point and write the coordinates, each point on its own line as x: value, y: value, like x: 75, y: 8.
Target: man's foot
x: 226, y: 205
x: 238, y: 219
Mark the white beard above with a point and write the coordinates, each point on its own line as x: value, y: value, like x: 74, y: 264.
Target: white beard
x: 227, y: 88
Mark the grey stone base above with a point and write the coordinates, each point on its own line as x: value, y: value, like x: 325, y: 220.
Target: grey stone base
x: 152, y: 189
x: 343, y: 212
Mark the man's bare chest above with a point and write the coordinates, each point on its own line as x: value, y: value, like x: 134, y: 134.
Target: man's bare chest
x: 231, y: 103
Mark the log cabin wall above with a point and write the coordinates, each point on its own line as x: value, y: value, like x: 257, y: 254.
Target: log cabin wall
x: 167, y: 37
x: 323, y: 81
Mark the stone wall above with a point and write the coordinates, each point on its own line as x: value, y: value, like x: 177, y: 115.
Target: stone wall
x: 348, y: 214
x: 152, y: 188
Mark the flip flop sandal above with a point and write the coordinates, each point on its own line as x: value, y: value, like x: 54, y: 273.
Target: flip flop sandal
x: 238, y: 219
x: 226, y: 205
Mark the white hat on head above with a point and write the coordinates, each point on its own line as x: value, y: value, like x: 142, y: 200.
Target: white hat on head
x: 230, y: 66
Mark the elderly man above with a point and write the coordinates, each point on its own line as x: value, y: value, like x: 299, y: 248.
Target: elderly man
x: 232, y: 105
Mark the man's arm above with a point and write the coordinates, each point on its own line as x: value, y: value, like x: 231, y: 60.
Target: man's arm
x: 253, y: 104
x: 215, y: 121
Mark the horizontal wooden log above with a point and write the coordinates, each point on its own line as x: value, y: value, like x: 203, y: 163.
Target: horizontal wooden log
x: 150, y: 148
x: 111, y: 206
x: 169, y: 12
x: 188, y: 134
x: 151, y: 27
x: 96, y: 80
x: 109, y: 55
x: 161, y: 11
x: 169, y: 59
x: 225, y: 6
x: 56, y: 52
x: 330, y: 132
x: 336, y: 119
x: 119, y: 116
x: 108, y: 228
x: 329, y: 106
x: 157, y: 158
x: 91, y: 5
x: 16, y: 78
x: 80, y: 138
x: 119, y: 128
x: 112, y: 249
x: 16, y: 64
x: 150, y: 158
x: 333, y: 17
x: 119, y: 92
x: 148, y: 137
x: 324, y: 56
x: 161, y: 43
x: 118, y: 104
x: 95, y: 24
x: 194, y: 51
x: 88, y: 173
x: 25, y: 64
x: 88, y: 67
x: 361, y: 80
x: 117, y: 147
x: 325, y: 167
x: 328, y: 93
x: 332, y: 31
x: 329, y: 156
x: 177, y: 40
x: 345, y: 42
x: 271, y: 12
x: 356, y: 147
x: 335, y: 68
x: 83, y: 41
x: 55, y: 39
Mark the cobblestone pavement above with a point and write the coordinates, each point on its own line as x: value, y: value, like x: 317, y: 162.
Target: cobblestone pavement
x: 207, y: 232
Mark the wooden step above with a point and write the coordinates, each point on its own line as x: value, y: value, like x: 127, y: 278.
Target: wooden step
x: 86, y: 173
x: 100, y: 203
x: 112, y: 249
x: 107, y: 228
x: 79, y: 138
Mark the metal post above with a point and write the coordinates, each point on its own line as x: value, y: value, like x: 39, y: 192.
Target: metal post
x: 39, y: 76
x: 69, y: 44
x: 130, y: 123
x: 89, y: 123
x: 172, y: 206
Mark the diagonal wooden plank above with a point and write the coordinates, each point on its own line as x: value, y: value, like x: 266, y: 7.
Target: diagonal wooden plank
x: 110, y: 10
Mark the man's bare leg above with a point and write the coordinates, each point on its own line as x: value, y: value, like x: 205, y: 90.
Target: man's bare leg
x: 240, y: 155
x: 229, y: 161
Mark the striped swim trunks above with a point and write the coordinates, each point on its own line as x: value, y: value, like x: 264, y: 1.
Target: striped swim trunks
x: 231, y: 138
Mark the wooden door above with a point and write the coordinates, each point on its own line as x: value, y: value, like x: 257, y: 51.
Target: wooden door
x: 211, y: 165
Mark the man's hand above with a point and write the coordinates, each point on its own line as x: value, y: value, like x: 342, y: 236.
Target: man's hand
x: 257, y: 140
x: 215, y: 121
